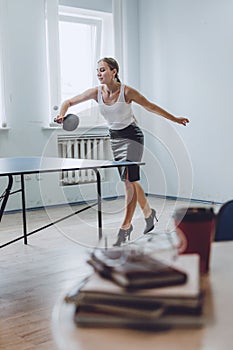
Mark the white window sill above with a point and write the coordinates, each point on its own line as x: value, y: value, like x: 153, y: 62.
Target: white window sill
x: 80, y: 130
x: 4, y: 128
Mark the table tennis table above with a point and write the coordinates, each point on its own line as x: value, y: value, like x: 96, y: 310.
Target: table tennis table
x: 22, y: 166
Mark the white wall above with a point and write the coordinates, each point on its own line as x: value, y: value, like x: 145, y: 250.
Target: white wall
x: 186, y: 55
x: 25, y: 78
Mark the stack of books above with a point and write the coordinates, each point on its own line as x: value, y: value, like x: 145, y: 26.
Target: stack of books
x: 141, y: 293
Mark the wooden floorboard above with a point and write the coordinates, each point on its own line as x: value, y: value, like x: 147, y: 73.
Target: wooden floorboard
x: 34, y: 276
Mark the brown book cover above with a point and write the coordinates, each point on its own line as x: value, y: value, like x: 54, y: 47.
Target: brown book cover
x: 164, y: 321
x: 137, y: 271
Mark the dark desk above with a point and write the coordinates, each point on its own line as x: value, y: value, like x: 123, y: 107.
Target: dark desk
x: 36, y: 165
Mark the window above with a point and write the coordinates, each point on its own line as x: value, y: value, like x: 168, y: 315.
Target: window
x: 77, y: 38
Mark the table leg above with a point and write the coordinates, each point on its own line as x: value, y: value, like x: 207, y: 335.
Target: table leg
x: 99, y: 202
x: 6, y: 195
x: 24, y: 209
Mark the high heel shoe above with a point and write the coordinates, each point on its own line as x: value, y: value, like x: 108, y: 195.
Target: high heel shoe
x: 150, y: 221
x: 122, y: 235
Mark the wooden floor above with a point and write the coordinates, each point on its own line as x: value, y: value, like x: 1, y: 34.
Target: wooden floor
x: 34, y: 276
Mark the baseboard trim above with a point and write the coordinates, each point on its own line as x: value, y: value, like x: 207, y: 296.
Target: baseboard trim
x: 193, y: 200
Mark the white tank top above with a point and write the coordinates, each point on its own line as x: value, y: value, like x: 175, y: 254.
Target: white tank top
x: 120, y: 114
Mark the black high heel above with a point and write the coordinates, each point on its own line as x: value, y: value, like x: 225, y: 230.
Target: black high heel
x: 123, y: 235
x: 150, y: 221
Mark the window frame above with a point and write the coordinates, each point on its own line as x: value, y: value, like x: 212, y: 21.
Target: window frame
x: 55, y: 13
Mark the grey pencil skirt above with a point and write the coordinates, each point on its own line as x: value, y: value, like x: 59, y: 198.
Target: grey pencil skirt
x: 128, y: 144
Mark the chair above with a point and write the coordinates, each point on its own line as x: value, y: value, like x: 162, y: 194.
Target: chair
x: 224, y: 222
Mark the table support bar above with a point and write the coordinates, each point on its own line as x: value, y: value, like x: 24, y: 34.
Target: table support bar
x: 48, y: 225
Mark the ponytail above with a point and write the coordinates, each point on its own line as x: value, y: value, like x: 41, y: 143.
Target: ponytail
x: 112, y: 63
x: 117, y: 78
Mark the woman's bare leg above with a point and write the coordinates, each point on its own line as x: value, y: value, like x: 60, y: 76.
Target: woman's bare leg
x: 149, y: 214
x: 133, y: 194
x: 142, y: 200
x: 131, y: 202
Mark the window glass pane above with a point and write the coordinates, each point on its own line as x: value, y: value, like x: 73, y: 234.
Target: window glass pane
x: 77, y: 48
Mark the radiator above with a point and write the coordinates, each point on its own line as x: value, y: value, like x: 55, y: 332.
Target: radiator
x: 82, y: 147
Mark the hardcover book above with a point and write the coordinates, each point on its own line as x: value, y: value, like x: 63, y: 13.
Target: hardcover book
x: 137, y: 271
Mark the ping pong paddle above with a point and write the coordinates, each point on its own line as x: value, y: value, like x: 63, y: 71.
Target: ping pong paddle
x: 70, y: 122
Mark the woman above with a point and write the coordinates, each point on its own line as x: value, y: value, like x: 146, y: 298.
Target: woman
x: 126, y: 137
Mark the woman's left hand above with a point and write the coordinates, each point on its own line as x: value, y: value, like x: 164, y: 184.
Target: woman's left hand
x: 182, y: 121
